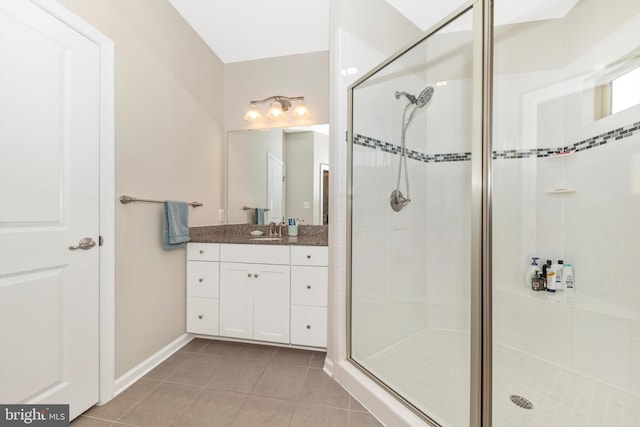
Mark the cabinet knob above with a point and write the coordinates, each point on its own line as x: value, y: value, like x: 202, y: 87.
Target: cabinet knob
x: 249, y: 275
x: 201, y: 280
x: 308, y: 286
x: 201, y: 251
x: 308, y: 256
x: 308, y: 326
x: 200, y: 316
x: 255, y: 275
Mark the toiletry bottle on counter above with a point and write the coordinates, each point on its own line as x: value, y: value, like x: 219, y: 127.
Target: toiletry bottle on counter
x: 557, y: 268
x: 531, y: 271
x: 550, y: 274
x: 567, y: 277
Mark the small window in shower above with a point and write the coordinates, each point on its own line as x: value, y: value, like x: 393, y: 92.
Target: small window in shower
x: 625, y: 91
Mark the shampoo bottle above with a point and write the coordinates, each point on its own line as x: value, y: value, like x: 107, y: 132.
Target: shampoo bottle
x: 531, y: 272
x: 557, y: 268
x: 551, y: 276
x: 567, y: 277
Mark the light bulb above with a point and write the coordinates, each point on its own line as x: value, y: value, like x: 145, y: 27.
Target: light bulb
x: 252, y: 114
x: 275, y: 111
x: 300, y: 110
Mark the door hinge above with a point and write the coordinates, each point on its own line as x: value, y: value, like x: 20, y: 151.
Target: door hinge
x: 100, y: 240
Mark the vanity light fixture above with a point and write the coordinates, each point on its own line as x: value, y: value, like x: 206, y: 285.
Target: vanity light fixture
x: 278, y: 106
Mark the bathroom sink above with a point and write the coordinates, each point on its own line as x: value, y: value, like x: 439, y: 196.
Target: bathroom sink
x: 266, y: 238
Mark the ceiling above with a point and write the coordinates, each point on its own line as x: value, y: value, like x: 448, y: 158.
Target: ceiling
x: 243, y: 30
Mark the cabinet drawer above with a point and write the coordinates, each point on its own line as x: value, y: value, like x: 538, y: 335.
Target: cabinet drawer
x: 203, y: 279
x: 309, y: 285
x: 258, y: 254
x: 309, y: 255
x: 309, y: 326
x: 202, y: 316
x: 203, y: 251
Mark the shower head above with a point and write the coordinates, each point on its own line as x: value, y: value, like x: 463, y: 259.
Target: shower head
x: 422, y: 99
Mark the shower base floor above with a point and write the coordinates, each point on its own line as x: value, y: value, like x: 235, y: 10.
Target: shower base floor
x: 433, y: 367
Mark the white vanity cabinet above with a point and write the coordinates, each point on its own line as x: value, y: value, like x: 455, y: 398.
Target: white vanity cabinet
x: 273, y: 293
x: 254, y: 293
x: 203, y: 284
x: 309, y: 293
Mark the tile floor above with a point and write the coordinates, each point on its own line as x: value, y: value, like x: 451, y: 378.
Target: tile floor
x: 220, y: 383
x: 561, y: 397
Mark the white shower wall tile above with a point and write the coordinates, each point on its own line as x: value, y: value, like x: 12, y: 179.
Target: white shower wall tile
x: 368, y: 255
x: 511, y: 96
x: 549, y: 339
x: 514, y: 219
x: 601, y: 346
x: 406, y: 248
x: 628, y: 259
x: 448, y: 120
x: 509, y: 326
x: 628, y: 295
x: 603, y: 355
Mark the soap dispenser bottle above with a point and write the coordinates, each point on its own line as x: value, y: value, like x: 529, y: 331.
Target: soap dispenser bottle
x: 531, y: 271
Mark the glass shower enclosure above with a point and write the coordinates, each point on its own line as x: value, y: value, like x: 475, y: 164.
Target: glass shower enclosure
x: 484, y: 144
x: 411, y: 186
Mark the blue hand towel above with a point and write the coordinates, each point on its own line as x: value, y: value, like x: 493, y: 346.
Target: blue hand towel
x: 175, y: 225
x: 260, y: 216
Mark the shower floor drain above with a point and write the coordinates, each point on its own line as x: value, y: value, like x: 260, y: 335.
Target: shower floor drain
x: 521, y: 401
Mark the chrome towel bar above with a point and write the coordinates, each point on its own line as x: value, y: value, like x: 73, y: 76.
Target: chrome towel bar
x: 128, y: 199
x: 247, y: 208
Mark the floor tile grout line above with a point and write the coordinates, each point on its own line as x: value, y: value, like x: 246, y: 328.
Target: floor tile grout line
x: 117, y: 420
x: 148, y: 394
x: 189, y: 404
x: 296, y: 403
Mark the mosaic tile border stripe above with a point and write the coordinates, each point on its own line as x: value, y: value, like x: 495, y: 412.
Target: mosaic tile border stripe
x: 376, y: 144
x: 586, y: 144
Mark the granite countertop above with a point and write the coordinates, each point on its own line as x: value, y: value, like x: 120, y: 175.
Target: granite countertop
x: 308, y: 235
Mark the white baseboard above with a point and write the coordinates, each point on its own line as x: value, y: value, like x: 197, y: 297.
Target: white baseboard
x: 133, y: 375
x: 328, y: 366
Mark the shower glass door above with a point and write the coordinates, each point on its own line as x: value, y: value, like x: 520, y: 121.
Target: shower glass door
x: 566, y: 186
x: 411, y: 136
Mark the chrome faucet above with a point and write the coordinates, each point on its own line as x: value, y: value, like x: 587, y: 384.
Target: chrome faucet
x: 272, y: 229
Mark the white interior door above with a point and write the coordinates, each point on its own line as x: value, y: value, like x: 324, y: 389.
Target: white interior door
x: 275, y: 185
x: 49, y: 201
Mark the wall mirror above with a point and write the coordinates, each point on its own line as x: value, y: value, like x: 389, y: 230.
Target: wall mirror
x: 284, y: 172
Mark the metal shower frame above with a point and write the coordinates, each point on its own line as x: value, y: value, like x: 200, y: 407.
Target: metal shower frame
x: 481, y: 181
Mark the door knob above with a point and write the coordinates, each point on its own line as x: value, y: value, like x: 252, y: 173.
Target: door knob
x: 84, y: 244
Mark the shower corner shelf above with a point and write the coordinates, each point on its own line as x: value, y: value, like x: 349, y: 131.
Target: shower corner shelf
x: 561, y: 191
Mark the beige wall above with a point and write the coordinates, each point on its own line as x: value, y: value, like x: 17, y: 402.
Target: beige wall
x: 169, y: 120
x: 296, y: 75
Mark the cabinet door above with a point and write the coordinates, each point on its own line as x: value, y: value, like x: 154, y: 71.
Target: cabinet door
x: 236, y: 299
x: 271, y: 303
